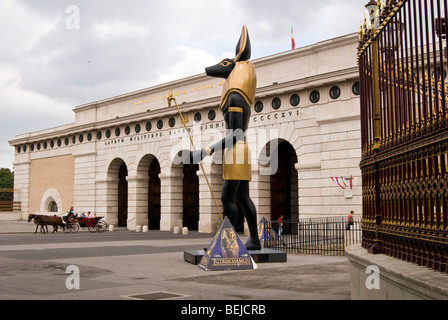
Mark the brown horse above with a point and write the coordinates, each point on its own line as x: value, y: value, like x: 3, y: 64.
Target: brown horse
x: 43, y: 221
x: 55, y: 221
x: 39, y: 221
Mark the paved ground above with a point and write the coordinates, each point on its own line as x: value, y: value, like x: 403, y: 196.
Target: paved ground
x: 121, y: 264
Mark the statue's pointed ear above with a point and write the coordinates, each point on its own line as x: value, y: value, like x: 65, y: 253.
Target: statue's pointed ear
x: 243, y: 48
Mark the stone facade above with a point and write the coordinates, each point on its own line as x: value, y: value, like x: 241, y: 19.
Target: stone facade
x: 306, y: 98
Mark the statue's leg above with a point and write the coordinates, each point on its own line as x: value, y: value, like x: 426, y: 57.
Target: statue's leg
x: 228, y: 198
x: 250, y: 213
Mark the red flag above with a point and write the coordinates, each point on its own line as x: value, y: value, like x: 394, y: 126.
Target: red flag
x: 340, y: 181
x: 293, y: 43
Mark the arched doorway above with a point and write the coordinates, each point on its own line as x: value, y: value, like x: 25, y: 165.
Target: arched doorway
x: 122, y: 195
x: 191, y: 197
x: 53, y: 206
x: 154, y: 195
x: 284, y: 184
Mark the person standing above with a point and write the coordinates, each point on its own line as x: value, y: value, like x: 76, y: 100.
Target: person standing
x: 350, y: 220
x: 280, y: 226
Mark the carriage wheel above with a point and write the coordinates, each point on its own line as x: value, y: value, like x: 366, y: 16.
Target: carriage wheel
x: 101, y: 226
x: 74, y: 227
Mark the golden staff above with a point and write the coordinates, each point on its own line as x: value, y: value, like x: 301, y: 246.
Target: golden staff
x: 184, y: 122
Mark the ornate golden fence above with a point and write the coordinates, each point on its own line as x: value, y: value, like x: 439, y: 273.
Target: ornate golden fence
x: 404, y: 125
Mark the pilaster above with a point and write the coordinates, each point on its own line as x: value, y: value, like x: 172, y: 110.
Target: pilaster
x: 209, y: 218
x: 171, y: 198
x: 137, y: 201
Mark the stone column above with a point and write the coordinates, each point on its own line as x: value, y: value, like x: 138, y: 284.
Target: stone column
x: 22, y: 186
x: 137, y: 201
x: 260, y: 193
x: 107, y: 199
x: 209, y: 219
x: 171, y: 198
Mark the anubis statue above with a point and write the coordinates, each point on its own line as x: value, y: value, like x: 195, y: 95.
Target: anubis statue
x: 236, y: 101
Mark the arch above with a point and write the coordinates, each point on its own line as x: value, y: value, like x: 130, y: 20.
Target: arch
x: 190, y: 195
x: 153, y: 194
x: 284, y: 184
x: 122, y: 195
x: 148, y: 188
x: 117, y: 192
x: 53, y: 207
x: 49, y: 199
x: 277, y: 161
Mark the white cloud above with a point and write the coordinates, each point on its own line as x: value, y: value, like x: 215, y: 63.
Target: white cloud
x: 119, y: 29
x: 192, y: 61
x: 132, y: 45
x: 20, y: 27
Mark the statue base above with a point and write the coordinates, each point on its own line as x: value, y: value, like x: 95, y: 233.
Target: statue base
x: 259, y: 256
x: 227, y: 252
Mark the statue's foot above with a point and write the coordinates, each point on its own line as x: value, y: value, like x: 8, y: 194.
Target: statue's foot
x: 253, y: 244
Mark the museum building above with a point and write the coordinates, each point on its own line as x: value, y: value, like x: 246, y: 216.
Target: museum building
x: 121, y: 157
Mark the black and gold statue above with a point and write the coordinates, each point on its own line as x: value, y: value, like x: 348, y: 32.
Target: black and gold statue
x: 236, y: 102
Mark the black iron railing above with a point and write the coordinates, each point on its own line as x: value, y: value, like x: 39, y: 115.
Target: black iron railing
x: 317, y: 236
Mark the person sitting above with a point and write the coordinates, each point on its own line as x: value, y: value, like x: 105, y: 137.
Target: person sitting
x: 70, y: 215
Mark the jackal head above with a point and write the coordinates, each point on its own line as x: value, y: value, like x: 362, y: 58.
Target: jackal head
x: 226, y: 66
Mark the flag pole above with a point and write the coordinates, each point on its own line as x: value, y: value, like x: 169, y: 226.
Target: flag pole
x: 293, y: 43
x: 184, y: 122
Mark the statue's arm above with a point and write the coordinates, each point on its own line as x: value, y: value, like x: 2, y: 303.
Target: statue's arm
x: 234, y: 131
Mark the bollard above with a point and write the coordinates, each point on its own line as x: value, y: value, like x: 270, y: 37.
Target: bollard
x: 111, y: 227
x: 138, y: 229
x: 145, y: 229
x: 184, y: 231
x: 176, y: 230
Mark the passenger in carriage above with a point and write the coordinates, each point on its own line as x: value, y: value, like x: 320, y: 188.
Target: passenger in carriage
x: 70, y: 215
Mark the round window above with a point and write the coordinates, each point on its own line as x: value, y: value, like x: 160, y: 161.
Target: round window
x: 211, y: 115
x: 355, y: 88
x: 335, y: 92
x: 314, y: 96
x: 276, y: 103
x: 197, y: 117
x: 258, y: 106
x: 294, y: 100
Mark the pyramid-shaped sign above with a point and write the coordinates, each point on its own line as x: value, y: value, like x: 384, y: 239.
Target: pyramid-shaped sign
x: 226, y: 251
x: 268, y: 236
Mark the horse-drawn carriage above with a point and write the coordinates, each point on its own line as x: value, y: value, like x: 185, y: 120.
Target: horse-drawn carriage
x: 68, y: 224
x: 93, y: 224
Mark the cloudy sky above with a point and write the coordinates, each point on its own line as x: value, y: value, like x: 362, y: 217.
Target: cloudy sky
x: 58, y: 54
